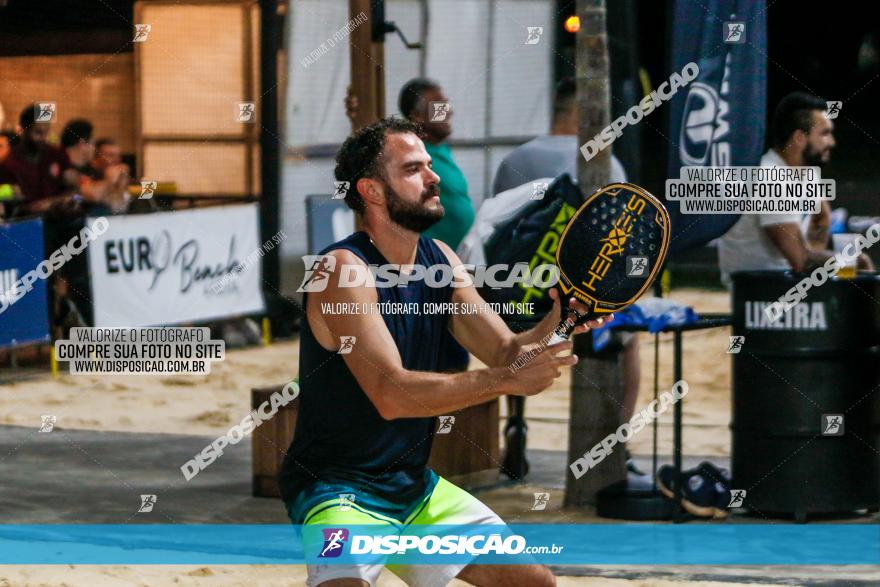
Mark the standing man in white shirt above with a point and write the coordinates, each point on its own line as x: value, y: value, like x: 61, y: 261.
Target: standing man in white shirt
x: 802, y: 135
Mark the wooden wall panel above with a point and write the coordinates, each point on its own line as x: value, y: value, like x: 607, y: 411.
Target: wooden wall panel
x: 99, y: 88
x: 192, y: 74
x: 194, y: 70
x: 198, y: 168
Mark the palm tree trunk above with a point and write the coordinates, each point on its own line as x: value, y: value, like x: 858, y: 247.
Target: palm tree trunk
x: 596, y: 383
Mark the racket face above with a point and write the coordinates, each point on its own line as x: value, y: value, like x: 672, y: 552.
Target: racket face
x: 613, y: 247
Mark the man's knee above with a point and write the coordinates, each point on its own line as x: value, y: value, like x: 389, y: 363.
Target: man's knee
x: 545, y: 577
x: 532, y: 576
x: 515, y: 575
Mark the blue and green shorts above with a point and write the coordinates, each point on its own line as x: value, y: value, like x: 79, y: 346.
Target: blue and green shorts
x: 338, y: 505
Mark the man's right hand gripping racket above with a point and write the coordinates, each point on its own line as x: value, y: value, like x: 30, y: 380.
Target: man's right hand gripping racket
x: 610, y: 252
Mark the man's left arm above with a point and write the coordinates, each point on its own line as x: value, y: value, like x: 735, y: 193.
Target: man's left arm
x: 485, y: 334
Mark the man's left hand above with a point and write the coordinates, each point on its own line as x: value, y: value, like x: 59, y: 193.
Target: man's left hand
x: 575, y: 304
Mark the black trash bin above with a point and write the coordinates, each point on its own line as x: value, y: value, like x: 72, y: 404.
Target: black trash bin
x: 790, y: 379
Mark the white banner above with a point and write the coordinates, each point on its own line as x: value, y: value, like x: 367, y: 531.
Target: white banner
x: 167, y: 268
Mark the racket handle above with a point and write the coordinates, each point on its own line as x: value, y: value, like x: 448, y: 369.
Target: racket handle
x: 565, y: 327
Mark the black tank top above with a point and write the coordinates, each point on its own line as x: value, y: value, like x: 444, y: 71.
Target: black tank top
x: 340, y: 436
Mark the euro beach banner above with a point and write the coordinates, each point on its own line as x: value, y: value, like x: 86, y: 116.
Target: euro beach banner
x: 176, y: 267
x: 720, y: 119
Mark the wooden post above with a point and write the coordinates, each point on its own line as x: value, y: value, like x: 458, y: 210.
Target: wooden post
x: 367, y: 67
x: 367, y: 73
x: 596, y: 383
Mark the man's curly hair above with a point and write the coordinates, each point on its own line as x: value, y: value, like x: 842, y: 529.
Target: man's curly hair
x: 361, y: 155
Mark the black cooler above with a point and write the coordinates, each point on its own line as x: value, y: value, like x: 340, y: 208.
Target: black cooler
x: 792, y: 378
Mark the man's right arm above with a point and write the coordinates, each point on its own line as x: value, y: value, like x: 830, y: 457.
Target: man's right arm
x: 787, y: 238
x: 397, y: 392
x: 819, y: 229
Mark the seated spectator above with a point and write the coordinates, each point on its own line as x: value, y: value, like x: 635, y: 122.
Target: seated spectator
x: 104, y: 189
x: 76, y: 140
x: 36, y: 165
x: 6, y: 141
x: 550, y: 155
x: 8, y: 183
x: 802, y: 135
x: 107, y: 155
x: 107, y: 166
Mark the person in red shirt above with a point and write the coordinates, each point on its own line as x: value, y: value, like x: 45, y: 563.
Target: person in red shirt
x: 37, y: 166
x: 8, y: 182
x: 6, y: 141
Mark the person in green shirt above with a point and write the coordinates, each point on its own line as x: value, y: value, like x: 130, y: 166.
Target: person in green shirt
x: 424, y: 102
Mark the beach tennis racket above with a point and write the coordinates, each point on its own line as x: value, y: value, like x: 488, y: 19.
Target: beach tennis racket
x: 610, y: 252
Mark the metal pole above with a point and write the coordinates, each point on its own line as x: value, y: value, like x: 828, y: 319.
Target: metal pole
x: 656, y: 392
x: 270, y: 150
x: 676, y: 428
